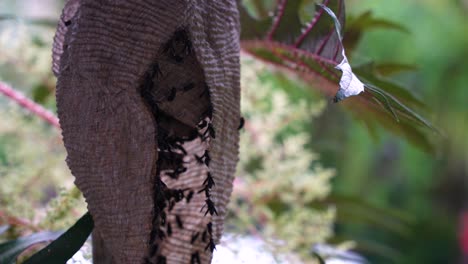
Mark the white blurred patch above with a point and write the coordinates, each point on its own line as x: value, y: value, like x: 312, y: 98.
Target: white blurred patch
x: 235, y: 249
x: 349, y: 83
x: 238, y: 249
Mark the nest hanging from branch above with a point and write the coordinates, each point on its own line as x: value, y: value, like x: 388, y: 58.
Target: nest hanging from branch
x: 148, y: 101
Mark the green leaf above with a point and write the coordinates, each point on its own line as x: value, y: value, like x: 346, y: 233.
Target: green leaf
x: 364, y: 108
x: 377, y: 248
x: 62, y: 249
x: 390, y: 68
x: 312, y: 53
x: 395, y: 106
x: 286, y: 17
x: 10, y: 250
x: 353, y: 209
x: 317, y: 36
x: 259, y: 9
x: 381, y: 100
x: 364, y: 22
x: 256, y: 28
x: 308, y: 65
x: 40, y: 93
x: 368, y: 74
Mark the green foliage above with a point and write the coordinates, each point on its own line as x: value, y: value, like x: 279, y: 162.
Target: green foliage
x: 25, y: 52
x: 59, y: 251
x: 65, y: 246
x: 307, y: 45
x: 384, y: 190
x: 364, y: 22
x: 277, y: 177
x: 9, y: 251
x: 59, y: 208
x: 32, y: 168
x: 31, y: 156
x: 375, y: 170
x: 37, y: 191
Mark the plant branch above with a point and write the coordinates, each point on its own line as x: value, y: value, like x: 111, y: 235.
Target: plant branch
x: 33, y: 107
x: 310, y: 27
x: 18, y: 222
x: 281, y: 8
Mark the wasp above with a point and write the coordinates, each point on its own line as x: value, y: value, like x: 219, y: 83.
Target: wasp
x: 163, y: 218
x: 194, y: 237
x: 175, y: 174
x: 179, y: 147
x: 152, y: 236
x: 161, y: 260
x: 171, y: 205
x: 148, y: 85
x: 202, y: 124
x: 161, y: 234
x: 153, y: 249
x: 211, y: 245
x: 179, y: 221
x: 179, y: 46
x: 204, y: 236
x: 189, y: 196
x: 209, y: 182
x: 205, y: 158
x: 169, y: 160
x: 206, y: 190
x: 206, y: 90
x: 169, y: 229
x: 177, y: 194
x: 188, y: 87
x: 210, y: 132
x: 172, y: 94
x: 195, y: 258
x: 210, y: 207
x: 241, y: 123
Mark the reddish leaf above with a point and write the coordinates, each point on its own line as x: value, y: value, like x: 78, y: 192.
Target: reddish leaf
x: 314, y: 50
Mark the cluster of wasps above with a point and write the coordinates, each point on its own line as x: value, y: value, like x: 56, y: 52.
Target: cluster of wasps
x: 172, y: 133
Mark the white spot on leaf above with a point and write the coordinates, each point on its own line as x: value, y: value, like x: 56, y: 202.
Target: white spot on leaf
x: 349, y: 83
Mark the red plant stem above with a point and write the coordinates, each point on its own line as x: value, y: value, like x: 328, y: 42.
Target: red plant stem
x: 15, y: 221
x: 30, y: 105
x: 281, y: 8
x: 247, y: 44
x: 303, y: 65
x: 310, y: 27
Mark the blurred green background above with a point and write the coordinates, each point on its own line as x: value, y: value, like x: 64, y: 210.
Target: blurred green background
x: 430, y: 190
x: 399, y: 203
